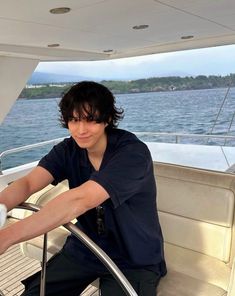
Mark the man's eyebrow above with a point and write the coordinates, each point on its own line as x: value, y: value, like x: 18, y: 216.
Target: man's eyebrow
x: 86, y: 117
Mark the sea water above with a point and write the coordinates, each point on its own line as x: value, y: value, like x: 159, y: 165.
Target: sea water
x: 194, y: 111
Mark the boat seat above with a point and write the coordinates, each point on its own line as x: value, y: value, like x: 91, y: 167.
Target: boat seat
x: 196, y: 211
x: 56, y: 237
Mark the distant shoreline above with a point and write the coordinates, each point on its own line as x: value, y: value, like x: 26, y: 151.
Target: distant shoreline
x: 157, y: 84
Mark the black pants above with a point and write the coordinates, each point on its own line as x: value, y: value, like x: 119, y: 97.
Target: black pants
x: 65, y: 278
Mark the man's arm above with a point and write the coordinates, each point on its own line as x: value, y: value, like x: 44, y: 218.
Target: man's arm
x: 18, y: 191
x: 62, y: 209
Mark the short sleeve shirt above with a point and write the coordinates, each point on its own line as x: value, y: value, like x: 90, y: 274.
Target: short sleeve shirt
x: 132, y: 235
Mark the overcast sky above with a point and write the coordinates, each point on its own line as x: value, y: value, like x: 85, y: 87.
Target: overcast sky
x: 210, y: 61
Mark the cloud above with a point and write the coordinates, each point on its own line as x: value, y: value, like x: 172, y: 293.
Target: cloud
x: 208, y: 61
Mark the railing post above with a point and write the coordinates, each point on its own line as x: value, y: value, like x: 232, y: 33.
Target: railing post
x: 98, y: 252
x: 43, y: 271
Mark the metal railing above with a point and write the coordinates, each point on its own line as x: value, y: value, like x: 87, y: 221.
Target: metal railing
x: 97, y: 251
x: 27, y: 147
x: 176, y: 136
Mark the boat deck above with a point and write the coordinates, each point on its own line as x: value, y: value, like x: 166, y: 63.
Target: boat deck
x: 14, y: 267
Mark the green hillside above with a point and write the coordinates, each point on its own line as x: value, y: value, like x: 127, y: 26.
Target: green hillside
x: 155, y: 84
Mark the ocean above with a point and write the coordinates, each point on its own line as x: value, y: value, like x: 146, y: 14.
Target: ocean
x: 194, y: 111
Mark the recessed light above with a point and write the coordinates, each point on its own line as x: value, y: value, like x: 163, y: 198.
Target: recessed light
x: 108, y: 50
x: 60, y: 10
x: 140, y: 27
x: 187, y: 37
x: 53, y: 45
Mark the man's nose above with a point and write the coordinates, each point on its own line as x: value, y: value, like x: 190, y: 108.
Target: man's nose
x: 82, y: 126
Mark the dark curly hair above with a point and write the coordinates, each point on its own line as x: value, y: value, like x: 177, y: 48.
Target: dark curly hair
x: 92, y: 101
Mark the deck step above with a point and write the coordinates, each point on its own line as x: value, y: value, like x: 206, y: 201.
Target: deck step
x: 14, y: 267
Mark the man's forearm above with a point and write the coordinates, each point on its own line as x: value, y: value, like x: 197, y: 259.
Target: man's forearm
x: 18, y: 191
x: 60, y: 210
x: 14, y: 194
x: 57, y: 212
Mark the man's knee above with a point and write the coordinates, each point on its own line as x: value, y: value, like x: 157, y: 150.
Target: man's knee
x: 144, y: 282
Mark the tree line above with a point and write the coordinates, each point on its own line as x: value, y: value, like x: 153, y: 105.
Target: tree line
x: 155, y: 84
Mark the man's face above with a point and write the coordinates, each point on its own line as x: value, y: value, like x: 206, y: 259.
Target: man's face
x: 87, y: 133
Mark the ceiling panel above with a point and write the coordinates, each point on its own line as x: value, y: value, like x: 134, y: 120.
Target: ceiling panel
x: 98, y: 25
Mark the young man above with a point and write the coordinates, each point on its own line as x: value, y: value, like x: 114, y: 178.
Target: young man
x: 112, y: 194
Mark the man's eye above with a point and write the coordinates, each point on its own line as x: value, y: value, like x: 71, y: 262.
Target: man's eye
x: 73, y: 119
x: 90, y: 118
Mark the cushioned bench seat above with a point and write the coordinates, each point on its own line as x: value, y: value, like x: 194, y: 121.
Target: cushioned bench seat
x: 192, y: 274
x: 179, y: 284
x: 196, y: 210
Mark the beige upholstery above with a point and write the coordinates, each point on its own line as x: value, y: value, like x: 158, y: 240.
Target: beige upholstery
x: 57, y: 237
x: 176, y: 283
x: 196, y: 210
x: 231, y: 288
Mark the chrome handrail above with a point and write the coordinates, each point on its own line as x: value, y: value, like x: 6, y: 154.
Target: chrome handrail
x: 35, y: 208
x: 97, y: 251
x: 177, y: 137
x: 27, y: 147
x: 181, y: 135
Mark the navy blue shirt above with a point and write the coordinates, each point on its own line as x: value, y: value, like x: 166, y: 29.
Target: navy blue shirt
x: 132, y: 236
